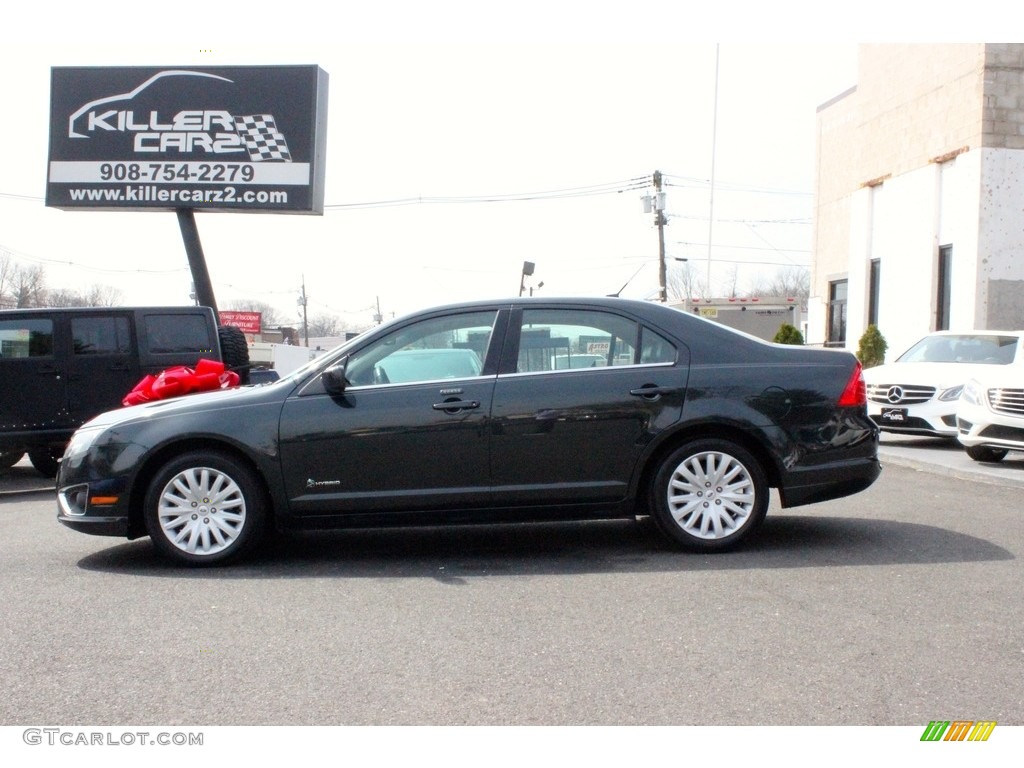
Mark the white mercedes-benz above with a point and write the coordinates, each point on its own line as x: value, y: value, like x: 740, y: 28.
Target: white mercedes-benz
x: 990, y: 416
x: 918, y: 394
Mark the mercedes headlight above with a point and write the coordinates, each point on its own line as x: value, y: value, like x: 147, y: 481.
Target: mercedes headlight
x: 973, y: 393
x: 953, y: 393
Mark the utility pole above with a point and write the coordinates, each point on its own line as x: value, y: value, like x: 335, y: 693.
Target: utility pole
x: 303, y: 300
x: 659, y: 220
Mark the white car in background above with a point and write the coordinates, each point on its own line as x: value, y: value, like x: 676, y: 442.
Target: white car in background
x: 990, y: 415
x: 918, y: 394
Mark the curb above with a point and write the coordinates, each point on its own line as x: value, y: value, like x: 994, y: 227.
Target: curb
x: 956, y: 465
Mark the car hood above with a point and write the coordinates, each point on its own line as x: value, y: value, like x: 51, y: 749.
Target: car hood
x: 192, y: 403
x: 1003, y: 376
x: 939, y: 375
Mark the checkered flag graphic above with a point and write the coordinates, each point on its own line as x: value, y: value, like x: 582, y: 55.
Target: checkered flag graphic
x: 262, y: 139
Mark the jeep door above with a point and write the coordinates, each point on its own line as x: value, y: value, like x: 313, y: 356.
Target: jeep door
x: 102, y: 367
x: 33, y: 396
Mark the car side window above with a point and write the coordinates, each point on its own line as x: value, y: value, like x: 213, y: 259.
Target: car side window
x: 655, y: 348
x: 437, y: 349
x: 26, y: 338
x: 100, y: 335
x: 561, y: 339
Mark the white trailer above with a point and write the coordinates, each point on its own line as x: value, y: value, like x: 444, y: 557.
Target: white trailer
x: 758, y: 316
x: 283, y: 358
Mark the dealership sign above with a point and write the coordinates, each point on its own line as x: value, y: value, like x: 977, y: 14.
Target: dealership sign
x: 247, y: 322
x: 205, y: 138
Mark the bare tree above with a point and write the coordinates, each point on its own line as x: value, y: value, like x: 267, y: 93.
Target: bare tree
x: 96, y: 296
x: 731, y: 280
x: 28, y: 287
x: 684, y: 282
x: 7, y: 267
x: 63, y: 297
x: 790, y: 282
x: 325, y: 324
x: 102, y: 296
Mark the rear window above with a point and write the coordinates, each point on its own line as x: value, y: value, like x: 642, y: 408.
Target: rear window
x: 177, y: 334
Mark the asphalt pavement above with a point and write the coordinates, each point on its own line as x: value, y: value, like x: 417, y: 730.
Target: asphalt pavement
x: 927, y: 454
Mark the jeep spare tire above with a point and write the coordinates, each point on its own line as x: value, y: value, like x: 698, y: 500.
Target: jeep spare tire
x: 234, y: 351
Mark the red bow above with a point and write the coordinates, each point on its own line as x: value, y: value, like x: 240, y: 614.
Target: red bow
x: 207, y: 375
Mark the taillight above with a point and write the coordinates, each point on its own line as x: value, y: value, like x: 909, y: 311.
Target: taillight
x: 856, y: 392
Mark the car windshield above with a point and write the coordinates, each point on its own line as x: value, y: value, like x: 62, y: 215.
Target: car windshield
x: 962, y: 348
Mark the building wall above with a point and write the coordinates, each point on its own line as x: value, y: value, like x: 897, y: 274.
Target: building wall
x: 924, y: 152
x: 1000, y: 250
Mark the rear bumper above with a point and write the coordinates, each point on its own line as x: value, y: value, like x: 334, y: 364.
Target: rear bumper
x: 831, y: 481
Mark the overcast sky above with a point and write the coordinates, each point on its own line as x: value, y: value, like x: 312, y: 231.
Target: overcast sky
x: 457, y: 100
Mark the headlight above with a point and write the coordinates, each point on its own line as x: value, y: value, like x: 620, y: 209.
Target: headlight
x: 953, y: 393
x: 81, y: 442
x: 973, y: 393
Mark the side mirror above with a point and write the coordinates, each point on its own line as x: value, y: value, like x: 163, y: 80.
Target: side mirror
x: 334, y: 378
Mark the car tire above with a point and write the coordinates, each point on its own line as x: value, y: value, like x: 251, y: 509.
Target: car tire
x: 234, y: 351
x: 9, y: 458
x: 45, y: 461
x: 986, y: 454
x: 205, y: 508
x: 709, y: 495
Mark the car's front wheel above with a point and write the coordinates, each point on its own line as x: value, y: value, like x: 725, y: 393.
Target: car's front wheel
x: 986, y: 454
x: 709, y: 495
x: 205, y: 508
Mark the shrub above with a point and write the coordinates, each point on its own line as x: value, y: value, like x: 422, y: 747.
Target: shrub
x: 788, y: 334
x: 871, y: 351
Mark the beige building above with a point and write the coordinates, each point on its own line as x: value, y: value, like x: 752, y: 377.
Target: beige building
x: 919, y: 222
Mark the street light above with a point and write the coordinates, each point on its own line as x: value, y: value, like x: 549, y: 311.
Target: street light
x: 527, y: 271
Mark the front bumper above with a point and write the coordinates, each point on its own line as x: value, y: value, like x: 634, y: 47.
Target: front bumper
x: 979, y: 426
x: 95, y: 525
x: 935, y: 417
x: 98, y: 508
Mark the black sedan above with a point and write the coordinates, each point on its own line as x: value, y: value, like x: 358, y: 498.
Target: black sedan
x: 504, y: 411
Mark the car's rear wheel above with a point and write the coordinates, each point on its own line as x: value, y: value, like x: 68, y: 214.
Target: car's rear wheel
x: 986, y: 454
x: 205, y: 508
x: 709, y: 495
x: 46, y: 460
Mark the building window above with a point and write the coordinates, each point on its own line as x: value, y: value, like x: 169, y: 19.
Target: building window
x: 874, y: 287
x: 837, y: 291
x: 945, y: 288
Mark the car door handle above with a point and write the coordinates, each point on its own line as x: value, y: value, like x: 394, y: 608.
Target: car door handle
x: 652, y: 392
x: 454, y: 406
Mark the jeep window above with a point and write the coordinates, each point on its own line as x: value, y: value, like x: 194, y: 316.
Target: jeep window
x: 174, y: 334
x: 101, y: 335
x: 26, y: 338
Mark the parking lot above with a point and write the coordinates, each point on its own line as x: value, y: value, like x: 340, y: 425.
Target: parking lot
x: 893, y: 607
